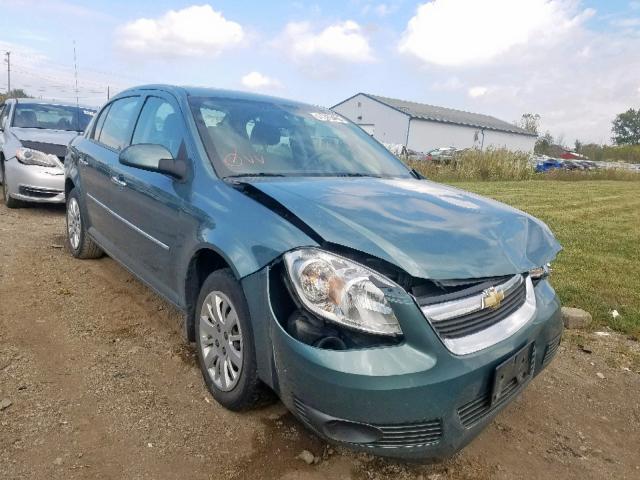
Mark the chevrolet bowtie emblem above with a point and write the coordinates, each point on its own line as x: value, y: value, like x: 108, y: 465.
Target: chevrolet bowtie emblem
x: 492, y: 298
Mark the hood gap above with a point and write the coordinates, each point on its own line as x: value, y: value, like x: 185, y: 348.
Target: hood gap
x: 277, y: 208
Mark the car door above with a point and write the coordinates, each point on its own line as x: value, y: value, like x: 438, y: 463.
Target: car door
x: 97, y: 160
x: 152, y: 202
x: 5, y: 109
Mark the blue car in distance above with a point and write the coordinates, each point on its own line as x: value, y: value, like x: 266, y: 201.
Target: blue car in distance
x: 389, y: 313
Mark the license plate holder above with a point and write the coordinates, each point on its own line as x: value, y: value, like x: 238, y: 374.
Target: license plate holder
x: 516, y: 369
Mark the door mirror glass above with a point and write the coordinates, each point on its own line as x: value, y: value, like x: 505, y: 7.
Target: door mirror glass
x: 154, y: 158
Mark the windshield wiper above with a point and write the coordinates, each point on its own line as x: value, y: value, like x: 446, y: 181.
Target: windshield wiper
x: 259, y: 174
x: 373, y: 175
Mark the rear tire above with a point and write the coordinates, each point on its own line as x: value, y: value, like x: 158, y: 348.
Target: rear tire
x: 9, y: 201
x: 226, y: 349
x: 80, y: 244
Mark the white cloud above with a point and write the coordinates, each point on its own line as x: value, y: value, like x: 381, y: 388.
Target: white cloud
x: 198, y: 30
x: 475, y: 92
x: 467, y: 32
x: 343, y: 41
x: 380, y: 9
x: 626, y: 22
x: 257, y: 81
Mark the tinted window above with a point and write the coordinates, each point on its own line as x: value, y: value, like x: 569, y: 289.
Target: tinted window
x: 100, y: 122
x: 160, y: 124
x: 263, y: 138
x: 116, y: 130
x: 52, y: 117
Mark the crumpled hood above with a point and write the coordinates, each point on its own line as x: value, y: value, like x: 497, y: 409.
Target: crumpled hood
x: 427, y: 229
x: 56, y: 137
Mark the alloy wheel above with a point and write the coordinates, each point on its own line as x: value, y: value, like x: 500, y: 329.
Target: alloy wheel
x: 73, y: 223
x: 221, y: 341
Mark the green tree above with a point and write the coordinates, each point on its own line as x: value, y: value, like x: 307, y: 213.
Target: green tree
x: 530, y: 122
x: 17, y: 93
x: 578, y: 146
x: 543, y: 144
x: 626, y: 128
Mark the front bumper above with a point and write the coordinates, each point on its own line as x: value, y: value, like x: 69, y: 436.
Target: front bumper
x: 32, y: 183
x: 426, y: 401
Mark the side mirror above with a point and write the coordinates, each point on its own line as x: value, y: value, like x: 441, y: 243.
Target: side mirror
x: 3, y: 123
x: 153, y: 158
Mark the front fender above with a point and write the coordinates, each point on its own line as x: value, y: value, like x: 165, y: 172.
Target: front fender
x: 245, y: 233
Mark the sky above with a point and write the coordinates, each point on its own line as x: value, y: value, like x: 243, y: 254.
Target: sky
x: 576, y: 63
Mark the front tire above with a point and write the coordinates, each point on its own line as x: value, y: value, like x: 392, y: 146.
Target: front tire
x: 81, y: 245
x: 226, y: 350
x: 9, y: 201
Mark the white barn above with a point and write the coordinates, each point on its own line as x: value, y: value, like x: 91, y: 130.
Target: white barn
x: 422, y: 127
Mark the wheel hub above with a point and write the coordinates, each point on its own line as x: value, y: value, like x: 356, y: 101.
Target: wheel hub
x: 73, y: 223
x: 221, y: 341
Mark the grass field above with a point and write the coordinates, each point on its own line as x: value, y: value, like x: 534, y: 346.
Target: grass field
x: 598, y: 225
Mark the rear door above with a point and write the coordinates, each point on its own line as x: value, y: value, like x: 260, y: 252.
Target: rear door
x: 152, y: 202
x: 97, y: 161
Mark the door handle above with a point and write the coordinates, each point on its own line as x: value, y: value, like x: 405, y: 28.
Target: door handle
x: 119, y: 182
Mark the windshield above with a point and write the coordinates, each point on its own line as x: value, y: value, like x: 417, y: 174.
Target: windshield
x: 256, y: 138
x: 52, y: 117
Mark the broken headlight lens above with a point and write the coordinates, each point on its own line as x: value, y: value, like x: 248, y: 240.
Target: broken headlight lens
x: 29, y: 156
x: 342, y: 291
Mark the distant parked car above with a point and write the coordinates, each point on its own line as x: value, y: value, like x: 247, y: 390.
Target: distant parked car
x: 390, y: 314
x: 33, y: 142
x: 549, y: 164
x: 441, y: 155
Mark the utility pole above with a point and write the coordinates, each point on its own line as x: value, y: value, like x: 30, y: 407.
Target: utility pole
x: 75, y: 68
x: 8, y: 54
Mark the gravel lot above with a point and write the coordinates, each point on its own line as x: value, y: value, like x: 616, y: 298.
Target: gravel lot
x: 97, y: 382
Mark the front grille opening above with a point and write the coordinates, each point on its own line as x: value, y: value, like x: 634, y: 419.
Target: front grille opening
x: 469, y: 315
x: 551, y: 350
x: 38, y: 192
x: 401, y: 435
x: 474, y: 322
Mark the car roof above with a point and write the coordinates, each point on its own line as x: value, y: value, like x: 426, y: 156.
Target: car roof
x: 188, y: 91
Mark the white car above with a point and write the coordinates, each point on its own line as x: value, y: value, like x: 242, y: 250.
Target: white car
x: 34, y: 135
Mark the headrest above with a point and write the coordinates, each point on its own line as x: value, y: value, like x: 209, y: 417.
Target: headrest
x: 265, y: 134
x: 172, y: 122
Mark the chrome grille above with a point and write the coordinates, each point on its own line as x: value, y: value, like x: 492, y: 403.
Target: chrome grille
x: 478, y: 321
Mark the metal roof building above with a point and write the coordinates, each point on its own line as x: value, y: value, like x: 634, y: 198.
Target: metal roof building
x: 424, y: 127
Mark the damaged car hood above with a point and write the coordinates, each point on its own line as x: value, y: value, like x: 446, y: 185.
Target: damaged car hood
x: 427, y: 229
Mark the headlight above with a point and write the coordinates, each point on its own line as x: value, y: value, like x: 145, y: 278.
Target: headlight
x: 35, y: 157
x: 540, y: 272
x: 342, y: 291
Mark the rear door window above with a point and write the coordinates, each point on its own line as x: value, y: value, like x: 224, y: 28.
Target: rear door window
x: 118, y: 123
